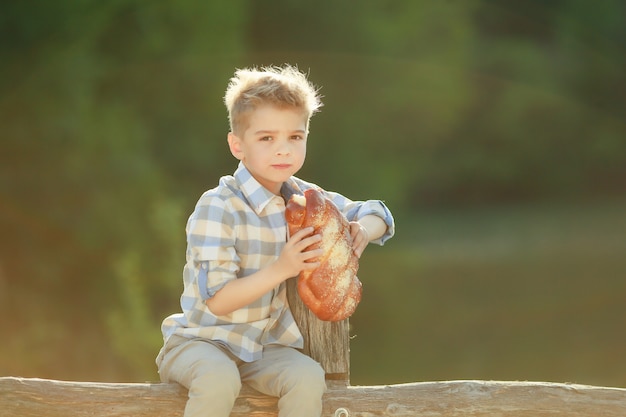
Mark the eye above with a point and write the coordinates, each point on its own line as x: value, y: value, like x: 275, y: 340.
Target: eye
x: 265, y: 138
x: 297, y: 137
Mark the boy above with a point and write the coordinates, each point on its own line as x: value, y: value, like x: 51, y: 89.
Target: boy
x: 236, y: 325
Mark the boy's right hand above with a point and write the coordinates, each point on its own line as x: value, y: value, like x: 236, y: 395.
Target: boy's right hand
x: 297, y: 255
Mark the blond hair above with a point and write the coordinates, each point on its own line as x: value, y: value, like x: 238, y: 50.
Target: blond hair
x: 282, y: 87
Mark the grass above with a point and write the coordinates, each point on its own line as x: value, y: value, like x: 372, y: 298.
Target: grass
x: 508, y: 293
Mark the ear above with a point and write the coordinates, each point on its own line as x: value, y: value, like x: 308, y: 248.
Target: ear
x: 234, y: 144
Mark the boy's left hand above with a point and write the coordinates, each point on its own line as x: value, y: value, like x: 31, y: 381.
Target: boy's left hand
x: 360, y: 238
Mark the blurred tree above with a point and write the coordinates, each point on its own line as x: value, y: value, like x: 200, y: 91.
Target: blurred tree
x: 102, y: 106
x: 457, y: 103
x: 395, y: 79
x: 112, y: 124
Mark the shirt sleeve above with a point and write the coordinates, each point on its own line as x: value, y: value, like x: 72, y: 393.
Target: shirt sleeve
x: 211, y: 250
x: 355, y: 210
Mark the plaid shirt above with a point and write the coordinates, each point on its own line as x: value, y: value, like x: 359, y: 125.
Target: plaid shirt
x: 235, y: 230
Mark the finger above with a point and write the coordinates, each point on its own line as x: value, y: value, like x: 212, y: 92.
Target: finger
x: 308, y: 266
x: 357, y: 240
x: 359, y: 246
x: 301, y: 234
x: 309, y: 241
x: 311, y: 255
x: 354, y: 229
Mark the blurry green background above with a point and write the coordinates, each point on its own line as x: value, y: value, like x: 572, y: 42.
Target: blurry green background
x: 494, y: 130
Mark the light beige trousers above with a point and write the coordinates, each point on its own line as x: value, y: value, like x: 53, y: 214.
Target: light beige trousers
x: 214, y: 376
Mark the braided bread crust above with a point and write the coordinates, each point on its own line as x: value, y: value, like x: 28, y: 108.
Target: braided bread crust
x: 332, y: 291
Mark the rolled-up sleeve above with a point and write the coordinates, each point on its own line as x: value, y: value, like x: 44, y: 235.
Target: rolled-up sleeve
x: 211, y: 254
x: 355, y: 210
x: 377, y: 208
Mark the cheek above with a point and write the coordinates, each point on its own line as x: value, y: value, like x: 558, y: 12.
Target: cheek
x: 301, y: 149
x: 259, y: 152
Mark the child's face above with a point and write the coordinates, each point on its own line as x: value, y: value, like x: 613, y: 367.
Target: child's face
x: 273, y: 147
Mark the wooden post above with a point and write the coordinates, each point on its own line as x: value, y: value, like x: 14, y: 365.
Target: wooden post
x: 326, y: 342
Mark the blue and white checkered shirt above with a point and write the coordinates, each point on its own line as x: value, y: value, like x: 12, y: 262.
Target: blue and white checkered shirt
x: 235, y: 230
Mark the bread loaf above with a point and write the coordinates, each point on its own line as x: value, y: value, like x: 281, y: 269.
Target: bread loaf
x: 332, y: 291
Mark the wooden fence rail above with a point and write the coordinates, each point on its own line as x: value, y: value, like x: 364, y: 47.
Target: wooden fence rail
x: 29, y: 397
x: 328, y: 343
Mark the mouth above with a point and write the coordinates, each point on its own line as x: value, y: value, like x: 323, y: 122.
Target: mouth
x: 281, y: 166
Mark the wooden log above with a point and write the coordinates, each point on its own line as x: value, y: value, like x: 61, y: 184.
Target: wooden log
x: 326, y: 342
x: 31, y: 397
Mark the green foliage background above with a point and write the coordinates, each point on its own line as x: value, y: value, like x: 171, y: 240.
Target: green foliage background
x: 494, y: 130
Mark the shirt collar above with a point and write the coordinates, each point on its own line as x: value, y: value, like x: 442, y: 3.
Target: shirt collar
x: 257, y: 195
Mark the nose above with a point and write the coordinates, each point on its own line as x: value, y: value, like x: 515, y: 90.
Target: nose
x: 283, y: 148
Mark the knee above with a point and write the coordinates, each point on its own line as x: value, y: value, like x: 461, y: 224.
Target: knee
x: 219, y: 379
x: 309, y: 376
x: 317, y: 377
